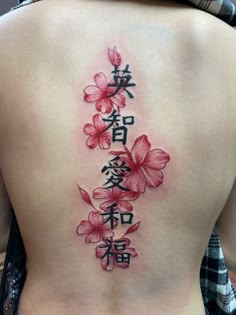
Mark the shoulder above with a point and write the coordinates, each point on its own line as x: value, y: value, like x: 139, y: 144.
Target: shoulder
x: 210, y: 57
x: 30, y: 31
x: 205, y: 28
x: 5, y: 216
x: 21, y: 42
x: 212, y: 44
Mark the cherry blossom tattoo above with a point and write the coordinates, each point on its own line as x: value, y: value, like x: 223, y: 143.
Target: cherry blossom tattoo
x: 128, y: 172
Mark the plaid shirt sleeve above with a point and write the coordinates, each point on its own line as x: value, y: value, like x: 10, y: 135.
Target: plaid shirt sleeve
x: 223, y: 9
x: 218, y: 293
x: 22, y: 3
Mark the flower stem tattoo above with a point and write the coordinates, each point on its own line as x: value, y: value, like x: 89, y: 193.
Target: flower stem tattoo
x: 127, y: 173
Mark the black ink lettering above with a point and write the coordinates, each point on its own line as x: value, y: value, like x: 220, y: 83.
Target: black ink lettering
x: 120, y: 245
x: 108, y: 253
x: 113, y: 119
x: 111, y: 215
x: 128, y: 120
x: 117, y: 249
x: 121, y: 81
x: 126, y: 218
x: 119, y: 134
x: 115, y: 173
x: 123, y: 258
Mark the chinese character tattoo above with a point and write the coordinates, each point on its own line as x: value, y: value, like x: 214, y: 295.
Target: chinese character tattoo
x: 115, y: 172
x: 119, y: 126
x: 121, y: 80
x: 131, y: 171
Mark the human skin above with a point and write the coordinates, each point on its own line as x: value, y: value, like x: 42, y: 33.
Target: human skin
x: 184, y: 102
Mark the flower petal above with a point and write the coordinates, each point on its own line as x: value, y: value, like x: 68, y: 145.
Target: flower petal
x: 156, y: 159
x: 100, y: 251
x: 119, y: 100
x: 104, y: 105
x: 125, y: 206
x: 92, y: 142
x: 101, y: 193
x: 136, y: 181
x: 98, y: 122
x: 108, y: 265
x: 90, y: 130
x: 105, y: 140
x: 104, y: 206
x: 140, y: 149
x: 95, y: 218
x: 154, y: 178
x: 128, y: 195
x: 122, y: 264
x: 117, y: 152
x: 85, y: 195
x: 92, y: 94
x: 93, y: 237
x: 84, y: 227
x: 126, y: 240
x: 115, y: 193
x: 107, y: 232
x: 114, y: 57
x: 101, y: 81
x: 110, y: 89
x: 133, y: 228
x: 128, y: 162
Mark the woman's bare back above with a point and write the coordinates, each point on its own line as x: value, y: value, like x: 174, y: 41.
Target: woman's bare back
x: 163, y: 105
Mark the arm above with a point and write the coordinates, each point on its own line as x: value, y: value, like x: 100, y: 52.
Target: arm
x: 226, y: 227
x: 226, y: 223
x: 5, y: 216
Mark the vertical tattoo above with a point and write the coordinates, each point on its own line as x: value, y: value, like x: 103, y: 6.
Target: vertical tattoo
x: 128, y: 174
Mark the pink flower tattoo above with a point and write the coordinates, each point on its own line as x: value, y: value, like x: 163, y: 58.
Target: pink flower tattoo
x: 114, y: 57
x: 115, y: 196
x: 103, y: 95
x: 145, y: 165
x: 97, y: 133
x: 95, y: 228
